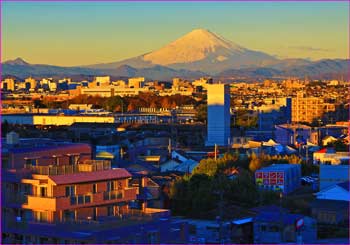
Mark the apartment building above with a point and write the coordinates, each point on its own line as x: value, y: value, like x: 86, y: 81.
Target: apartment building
x: 308, y: 109
x: 87, y: 201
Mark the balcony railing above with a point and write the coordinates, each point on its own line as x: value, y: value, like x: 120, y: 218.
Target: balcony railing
x: 15, y: 199
x: 85, y: 166
x: 112, y: 195
x: 81, y: 199
x: 36, y: 202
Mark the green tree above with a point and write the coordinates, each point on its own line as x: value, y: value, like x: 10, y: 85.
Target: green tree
x: 201, y: 115
x: 255, y: 162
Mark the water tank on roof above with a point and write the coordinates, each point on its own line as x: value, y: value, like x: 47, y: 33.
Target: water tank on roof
x: 12, y: 138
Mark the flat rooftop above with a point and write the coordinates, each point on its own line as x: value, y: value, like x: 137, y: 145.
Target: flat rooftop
x: 279, y: 167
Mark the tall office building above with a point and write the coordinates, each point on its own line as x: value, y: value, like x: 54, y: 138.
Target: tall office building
x: 218, y: 115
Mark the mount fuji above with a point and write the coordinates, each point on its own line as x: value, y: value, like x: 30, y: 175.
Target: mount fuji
x: 198, y: 50
x: 198, y: 53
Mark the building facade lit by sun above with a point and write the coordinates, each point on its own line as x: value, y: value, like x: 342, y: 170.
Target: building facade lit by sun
x: 218, y: 115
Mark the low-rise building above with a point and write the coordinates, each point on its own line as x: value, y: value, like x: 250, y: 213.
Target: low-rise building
x: 330, y: 156
x: 284, y: 178
x: 333, y: 174
x: 295, y: 134
x: 279, y: 226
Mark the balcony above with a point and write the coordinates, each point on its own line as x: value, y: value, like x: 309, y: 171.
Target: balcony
x: 111, y: 195
x: 46, y: 203
x: 62, y: 203
x: 85, y: 166
x: 15, y: 200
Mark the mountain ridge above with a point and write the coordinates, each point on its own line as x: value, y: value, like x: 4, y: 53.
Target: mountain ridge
x: 197, y: 53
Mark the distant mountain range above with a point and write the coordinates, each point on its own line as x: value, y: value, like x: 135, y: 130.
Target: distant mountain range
x: 198, y: 53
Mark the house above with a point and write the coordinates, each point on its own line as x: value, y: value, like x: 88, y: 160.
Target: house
x: 180, y: 162
x: 332, y: 204
x: 293, y: 134
x: 328, y: 139
x: 333, y: 174
x: 330, y: 156
x: 330, y: 211
x: 276, y: 225
x: 169, y: 165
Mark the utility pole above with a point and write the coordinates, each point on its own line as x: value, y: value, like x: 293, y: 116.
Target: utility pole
x: 215, y: 149
x: 221, y: 205
x: 169, y: 147
x: 281, y: 218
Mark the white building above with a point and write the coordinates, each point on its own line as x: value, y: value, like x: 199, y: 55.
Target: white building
x: 136, y: 82
x: 105, y: 80
x: 218, y: 115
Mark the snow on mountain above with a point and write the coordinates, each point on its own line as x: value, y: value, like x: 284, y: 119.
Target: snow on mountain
x: 195, y: 46
x: 199, y: 50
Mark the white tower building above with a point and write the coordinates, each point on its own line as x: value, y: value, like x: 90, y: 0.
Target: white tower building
x: 218, y: 115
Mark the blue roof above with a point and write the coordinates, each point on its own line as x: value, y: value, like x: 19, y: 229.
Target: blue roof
x: 344, y: 185
x: 277, y: 217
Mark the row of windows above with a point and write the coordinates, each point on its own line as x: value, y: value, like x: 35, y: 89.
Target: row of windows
x: 76, y: 200
x: 110, y: 185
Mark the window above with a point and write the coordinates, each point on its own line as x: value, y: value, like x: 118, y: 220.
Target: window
x: 110, y: 185
x: 273, y: 228
x: 94, y: 213
x: 80, y: 199
x: 40, y: 216
x: 70, y: 190
x: 69, y: 215
x: 110, y: 211
x: 43, y: 191
x: 73, y: 200
x: 87, y: 199
x: 120, y: 185
x: 94, y: 188
x: 32, y: 162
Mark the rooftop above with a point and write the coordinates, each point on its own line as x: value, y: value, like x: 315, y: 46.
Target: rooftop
x: 279, y: 167
x: 344, y: 185
x: 119, y: 173
x: 81, y: 167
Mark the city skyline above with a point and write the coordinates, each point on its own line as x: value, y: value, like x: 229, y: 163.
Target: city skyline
x: 75, y: 29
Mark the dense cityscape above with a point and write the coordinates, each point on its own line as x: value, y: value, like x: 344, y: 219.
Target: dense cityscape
x: 225, y: 154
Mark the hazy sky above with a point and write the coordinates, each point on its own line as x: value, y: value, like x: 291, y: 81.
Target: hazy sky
x: 80, y: 33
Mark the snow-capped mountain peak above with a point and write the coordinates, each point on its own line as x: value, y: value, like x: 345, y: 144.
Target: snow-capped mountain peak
x: 194, y: 46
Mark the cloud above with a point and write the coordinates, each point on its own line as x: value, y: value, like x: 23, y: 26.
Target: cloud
x: 310, y: 49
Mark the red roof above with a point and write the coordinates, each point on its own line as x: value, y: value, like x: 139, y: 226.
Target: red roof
x: 109, y: 174
x: 324, y: 150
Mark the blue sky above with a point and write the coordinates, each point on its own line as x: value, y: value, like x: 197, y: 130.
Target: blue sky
x: 76, y: 33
